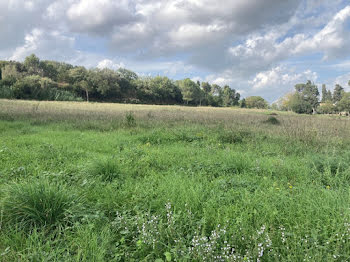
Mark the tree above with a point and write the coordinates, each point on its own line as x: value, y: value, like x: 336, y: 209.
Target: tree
x: 160, y: 90
x: 344, y: 103
x: 285, y: 103
x: 34, y: 87
x: 32, y: 65
x: 243, y: 103
x: 326, y: 94
x: 326, y: 108
x: 78, y: 77
x: 190, y: 91
x: 338, y: 93
x: 50, y: 69
x: 216, y: 93
x: 10, y: 71
x: 230, y: 97
x: 105, y: 82
x: 329, y: 96
x: 306, y: 98
x: 256, y: 102
x: 126, y: 82
x: 206, y: 87
x: 299, y: 105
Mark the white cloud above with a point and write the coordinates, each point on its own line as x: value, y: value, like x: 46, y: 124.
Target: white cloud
x: 46, y: 45
x: 243, y: 43
x: 342, y: 80
x: 280, y: 77
x: 106, y: 63
x: 99, y: 16
x: 333, y: 39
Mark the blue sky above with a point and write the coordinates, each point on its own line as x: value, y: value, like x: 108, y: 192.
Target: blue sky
x: 257, y: 47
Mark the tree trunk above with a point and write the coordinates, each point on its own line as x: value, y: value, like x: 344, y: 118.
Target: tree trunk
x: 87, y: 95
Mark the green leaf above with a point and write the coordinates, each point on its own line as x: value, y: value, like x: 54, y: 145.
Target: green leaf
x: 167, y: 256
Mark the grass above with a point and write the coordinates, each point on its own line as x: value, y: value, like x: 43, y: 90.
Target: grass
x: 111, y: 182
x: 37, y: 204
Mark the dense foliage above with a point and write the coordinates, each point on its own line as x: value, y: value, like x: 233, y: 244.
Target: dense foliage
x: 305, y: 100
x: 49, y: 80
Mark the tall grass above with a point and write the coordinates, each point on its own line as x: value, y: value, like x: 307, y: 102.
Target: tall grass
x: 81, y: 182
x: 38, y: 204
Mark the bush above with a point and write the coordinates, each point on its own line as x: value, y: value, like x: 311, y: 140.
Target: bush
x: 272, y: 121
x: 256, y: 102
x: 37, y: 204
x: 326, y: 108
x: 6, y: 92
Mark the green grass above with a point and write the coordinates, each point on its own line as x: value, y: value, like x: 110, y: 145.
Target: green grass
x: 148, y: 183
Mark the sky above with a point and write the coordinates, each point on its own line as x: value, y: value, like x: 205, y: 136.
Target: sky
x: 258, y: 47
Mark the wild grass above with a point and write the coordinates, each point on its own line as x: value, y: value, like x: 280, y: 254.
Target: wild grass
x: 37, y: 204
x: 95, y: 182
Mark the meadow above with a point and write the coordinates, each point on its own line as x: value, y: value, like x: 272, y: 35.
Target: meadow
x: 119, y: 182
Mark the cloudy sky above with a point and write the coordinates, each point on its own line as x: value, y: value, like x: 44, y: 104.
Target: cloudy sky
x: 259, y: 47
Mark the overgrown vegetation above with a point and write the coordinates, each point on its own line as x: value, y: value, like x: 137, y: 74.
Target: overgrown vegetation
x: 81, y: 182
x: 305, y: 100
x: 50, y: 80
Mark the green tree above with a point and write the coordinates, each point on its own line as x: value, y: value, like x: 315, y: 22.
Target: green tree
x: 32, y: 65
x: 206, y: 87
x: 216, y: 93
x: 326, y: 94
x: 344, y: 103
x: 79, y: 79
x: 10, y: 71
x: 34, y: 87
x: 190, y: 91
x: 230, y: 97
x: 50, y: 70
x: 256, y: 102
x: 105, y: 82
x: 243, y: 103
x: 299, y: 105
x: 338, y: 93
x: 160, y: 90
x: 326, y: 108
x: 306, y: 98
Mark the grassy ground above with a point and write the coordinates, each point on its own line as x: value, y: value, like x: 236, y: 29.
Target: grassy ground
x: 106, y: 182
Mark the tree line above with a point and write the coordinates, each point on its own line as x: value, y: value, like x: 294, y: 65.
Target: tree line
x: 50, y: 80
x: 306, y: 100
x: 37, y: 79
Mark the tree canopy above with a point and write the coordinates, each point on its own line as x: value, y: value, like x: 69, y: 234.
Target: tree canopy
x: 52, y: 80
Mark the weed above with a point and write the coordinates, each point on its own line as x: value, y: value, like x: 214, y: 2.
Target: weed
x: 130, y: 120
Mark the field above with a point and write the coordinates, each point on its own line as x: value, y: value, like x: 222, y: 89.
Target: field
x: 115, y: 182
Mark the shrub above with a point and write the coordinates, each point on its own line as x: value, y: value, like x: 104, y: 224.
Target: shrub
x: 38, y: 204
x: 272, y: 121
x: 256, y: 102
x: 6, y: 92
